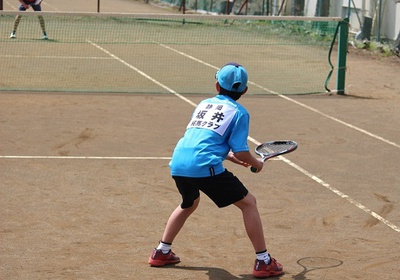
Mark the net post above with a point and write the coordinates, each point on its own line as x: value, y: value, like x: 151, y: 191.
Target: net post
x: 342, y: 54
x: 1, y: 5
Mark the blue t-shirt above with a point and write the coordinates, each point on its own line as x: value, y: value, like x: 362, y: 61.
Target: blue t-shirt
x: 218, y: 125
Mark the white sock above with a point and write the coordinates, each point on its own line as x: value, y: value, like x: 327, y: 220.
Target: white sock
x: 164, y: 247
x: 264, y: 256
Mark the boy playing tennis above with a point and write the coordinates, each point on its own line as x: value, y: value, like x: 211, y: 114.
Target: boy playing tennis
x: 218, y: 130
x: 25, y: 4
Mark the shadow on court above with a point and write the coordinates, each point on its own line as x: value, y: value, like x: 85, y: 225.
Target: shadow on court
x: 315, y: 263
x: 215, y: 273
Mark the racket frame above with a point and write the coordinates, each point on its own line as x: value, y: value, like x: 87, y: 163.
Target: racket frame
x: 292, y: 147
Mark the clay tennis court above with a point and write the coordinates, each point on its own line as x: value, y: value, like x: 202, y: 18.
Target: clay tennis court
x: 85, y: 189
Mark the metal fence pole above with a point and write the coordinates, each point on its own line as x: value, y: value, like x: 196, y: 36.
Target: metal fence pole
x: 378, y: 37
x: 342, y: 55
x: 349, y: 10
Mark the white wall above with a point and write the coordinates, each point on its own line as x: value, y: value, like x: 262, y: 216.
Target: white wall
x: 339, y: 8
x: 391, y: 20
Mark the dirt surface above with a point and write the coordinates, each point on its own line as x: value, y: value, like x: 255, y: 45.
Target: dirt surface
x: 85, y: 189
x: 372, y: 74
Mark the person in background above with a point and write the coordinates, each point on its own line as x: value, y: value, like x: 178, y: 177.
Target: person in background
x: 25, y: 4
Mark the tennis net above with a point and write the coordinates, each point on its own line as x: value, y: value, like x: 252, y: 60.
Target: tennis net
x: 160, y: 53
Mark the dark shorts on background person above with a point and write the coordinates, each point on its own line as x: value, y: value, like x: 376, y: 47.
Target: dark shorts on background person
x: 36, y: 8
x: 223, y: 189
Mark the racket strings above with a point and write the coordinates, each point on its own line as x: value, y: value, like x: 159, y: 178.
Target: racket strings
x: 269, y: 149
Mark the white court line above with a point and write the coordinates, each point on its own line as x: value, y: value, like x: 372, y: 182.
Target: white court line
x: 297, y: 167
x: 56, y: 57
x: 294, y: 101
x: 96, y: 157
x: 12, y: 6
x: 334, y: 190
x: 305, y: 172
x: 51, y: 6
x: 330, y: 117
x: 144, y: 74
x: 85, y: 157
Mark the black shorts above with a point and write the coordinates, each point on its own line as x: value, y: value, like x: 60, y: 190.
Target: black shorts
x: 223, y: 189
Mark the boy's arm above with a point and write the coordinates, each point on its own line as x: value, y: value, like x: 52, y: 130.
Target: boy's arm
x: 246, y: 159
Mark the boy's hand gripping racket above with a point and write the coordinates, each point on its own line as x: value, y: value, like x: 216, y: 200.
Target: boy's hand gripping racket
x: 272, y: 149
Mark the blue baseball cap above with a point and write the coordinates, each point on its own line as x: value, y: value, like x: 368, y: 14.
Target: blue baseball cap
x: 232, y: 77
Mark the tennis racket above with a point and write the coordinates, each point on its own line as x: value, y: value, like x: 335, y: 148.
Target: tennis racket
x: 272, y: 149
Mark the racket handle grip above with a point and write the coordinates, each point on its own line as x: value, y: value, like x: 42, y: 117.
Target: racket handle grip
x: 253, y: 169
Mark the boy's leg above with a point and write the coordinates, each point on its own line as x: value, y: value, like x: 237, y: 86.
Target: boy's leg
x: 42, y: 25
x: 21, y: 8
x: 160, y: 257
x: 264, y: 265
x: 177, y: 220
x: 38, y: 8
x: 41, y: 21
x: 252, y: 221
x: 16, y: 23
